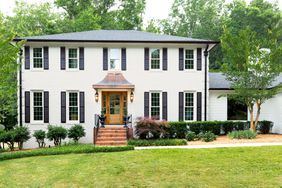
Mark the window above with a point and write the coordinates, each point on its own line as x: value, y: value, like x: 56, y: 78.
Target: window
x: 114, y: 59
x: 189, y: 59
x: 37, y: 106
x: 37, y: 58
x: 73, y: 58
x: 189, y: 107
x: 73, y: 106
x: 155, y: 105
x: 236, y: 110
x: 155, y: 58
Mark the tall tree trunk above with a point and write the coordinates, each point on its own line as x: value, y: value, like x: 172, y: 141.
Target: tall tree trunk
x: 258, y: 113
x: 251, y: 110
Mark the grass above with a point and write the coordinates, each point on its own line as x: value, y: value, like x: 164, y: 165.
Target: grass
x: 157, y: 142
x: 222, y: 167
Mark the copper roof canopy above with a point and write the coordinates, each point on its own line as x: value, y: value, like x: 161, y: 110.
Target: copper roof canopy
x: 114, y: 81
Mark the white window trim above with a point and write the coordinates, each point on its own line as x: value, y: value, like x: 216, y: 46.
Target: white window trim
x: 67, y: 106
x: 109, y: 59
x: 194, y: 59
x: 32, y: 59
x: 32, y: 107
x: 150, y: 58
x: 194, y: 107
x: 67, y: 59
x: 161, y: 103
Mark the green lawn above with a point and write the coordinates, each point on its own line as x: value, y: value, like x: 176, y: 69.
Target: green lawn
x: 232, y: 167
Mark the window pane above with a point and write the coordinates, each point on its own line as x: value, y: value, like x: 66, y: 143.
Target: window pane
x: 73, y: 106
x: 37, y: 52
x: 73, y: 113
x: 72, y: 63
x: 189, y: 59
x: 155, y: 64
x: 72, y: 53
x: 155, y: 58
x: 189, y: 64
x: 37, y: 58
x: 37, y: 63
x: 73, y: 99
x: 236, y: 110
x: 155, y: 105
x: 37, y: 106
x: 155, y: 53
x: 189, y: 107
x: 114, y: 57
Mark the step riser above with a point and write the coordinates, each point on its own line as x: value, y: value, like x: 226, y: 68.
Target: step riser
x: 112, y: 137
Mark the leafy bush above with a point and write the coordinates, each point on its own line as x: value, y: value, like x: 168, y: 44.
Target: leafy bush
x: 8, y: 137
x: 208, y: 136
x: 177, y: 129
x: 150, y: 128
x: 56, y: 133
x: 76, y: 132
x: 264, y: 127
x: 61, y: 150
x: 40, y: 136
x: 22, y: 134
x: 157, y: 142
x: 247, y: 134
x: 191, y: 136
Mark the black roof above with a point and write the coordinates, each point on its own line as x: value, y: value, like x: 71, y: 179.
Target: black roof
x: 115, y: 36
x: 218, y: 81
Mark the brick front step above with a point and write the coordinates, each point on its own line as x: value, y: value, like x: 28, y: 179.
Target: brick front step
x: 111, y: 136
x: 110, y: 143
x: 111, y: 139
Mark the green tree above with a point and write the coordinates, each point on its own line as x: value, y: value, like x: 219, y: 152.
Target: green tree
x: 251, y: 65
x: 153, y: 26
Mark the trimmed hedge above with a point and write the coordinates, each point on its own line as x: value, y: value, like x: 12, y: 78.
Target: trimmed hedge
x: 61, y: 150
x: 156, y: 142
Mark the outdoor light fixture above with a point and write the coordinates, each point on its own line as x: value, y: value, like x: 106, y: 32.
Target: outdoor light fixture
x: 96, y: 96
x: 131, y: 96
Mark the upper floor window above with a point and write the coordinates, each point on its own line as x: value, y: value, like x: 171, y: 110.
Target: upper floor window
x: 189, y: 106
x: 73, y: 106
x: 73, y: 58
x: 189, y: 59
x: 115, y: 59
x: 38, y: 106
x: 155, y: 58
x: 37, y: 58
x: 155, y: 107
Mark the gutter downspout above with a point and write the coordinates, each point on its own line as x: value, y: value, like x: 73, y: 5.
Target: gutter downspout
x: 206, y: 53
x: 20, y: 88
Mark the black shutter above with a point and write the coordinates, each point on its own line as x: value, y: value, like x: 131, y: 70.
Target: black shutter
x: 81, y: 107
x: 146, y: 59
x: 181, y: 104
x: 164, y: 58
x: 27, y: 106
x: 105, y: 58
x: 81, y: 58
x: 46, y: 107
x: 63, y: 58
x: 46, y: 57
x: 26, y: 57
x: 123, y: 59
x: 164, y: 105
x: 63, y: 107
x: 146, y: 104
x: 199, y: 59
x: 181, y: 56
x: 199, y: 106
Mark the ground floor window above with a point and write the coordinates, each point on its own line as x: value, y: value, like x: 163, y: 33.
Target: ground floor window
x: 155, y: 105
x: 189, y: 106
x: 73, y: 106
x: 37, y: 106
x: 237, y: 110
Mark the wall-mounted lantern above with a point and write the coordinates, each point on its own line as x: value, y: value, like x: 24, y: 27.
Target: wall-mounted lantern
x: 131, y: 96
x: 96, y: 96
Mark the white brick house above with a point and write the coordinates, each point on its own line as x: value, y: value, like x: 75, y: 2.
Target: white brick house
x: 68, y: 78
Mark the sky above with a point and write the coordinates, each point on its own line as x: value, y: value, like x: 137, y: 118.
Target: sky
x: 155, y: 9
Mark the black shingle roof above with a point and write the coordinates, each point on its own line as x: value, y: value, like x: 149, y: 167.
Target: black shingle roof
x: 114, y: 36
x: 218, y: 81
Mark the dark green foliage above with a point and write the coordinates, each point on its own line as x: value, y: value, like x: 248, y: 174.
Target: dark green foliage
x: 191, y: 136
x: 264, y: 127
x: 56, y: 133
x: 40, y: 136
x: 157, y: 142
x: 8, y: 137
x: 208, y: 136
x: 77, y: 148
x: 76, y: 132
x: 22, y: 134
x: 247, y: 134
x: 177, y: 129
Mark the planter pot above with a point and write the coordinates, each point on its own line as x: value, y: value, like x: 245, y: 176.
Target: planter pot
x: 125, y: 120
x: 102, y: 120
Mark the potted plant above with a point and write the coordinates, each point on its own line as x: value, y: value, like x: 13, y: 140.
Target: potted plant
x: 102, y: 117
x: 125, y: 117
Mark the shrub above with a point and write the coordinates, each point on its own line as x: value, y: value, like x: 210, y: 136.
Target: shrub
x: 191, y: 136
x: 8, y: 137
x: 1, y: 142
x: 61, y: 150
x: 76, y: 132
x: 150, y: 128
x: 56, y: 133
x: 40, y: 136
x: 208, y: 136
x: 22, y: 134
x: 264, y: 127
x: 247, y: 134
x: 157, y: 142
x: 177, y: 129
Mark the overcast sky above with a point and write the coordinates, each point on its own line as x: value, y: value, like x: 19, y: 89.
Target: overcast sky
x: 157, y: 9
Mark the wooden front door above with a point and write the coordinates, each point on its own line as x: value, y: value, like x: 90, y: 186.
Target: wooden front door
x: 114, y: 105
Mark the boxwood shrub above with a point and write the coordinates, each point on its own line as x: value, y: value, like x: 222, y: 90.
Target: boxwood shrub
x: 264, y: 127
x: 156, y: 142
